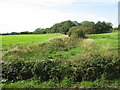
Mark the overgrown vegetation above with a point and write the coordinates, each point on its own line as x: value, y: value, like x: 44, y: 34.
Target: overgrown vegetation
x: 62, y: 62
x: 78, y: 32
x: 85, y: 57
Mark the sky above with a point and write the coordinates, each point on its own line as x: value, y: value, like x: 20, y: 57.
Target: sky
x: 27, y: 15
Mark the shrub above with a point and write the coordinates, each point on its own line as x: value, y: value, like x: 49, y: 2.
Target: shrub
x: 98, y: 64
x: 89, y: 69
x: 17, y: 70
x: 42, y: 68
x: 59, y: 45
x: 77, y: 32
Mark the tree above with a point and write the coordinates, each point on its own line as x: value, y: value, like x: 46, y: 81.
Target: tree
x: 77, y: 32
x: 102, y: 27
x: 26, y: 32
x: 47, y: 30
x: 14, y: 33
x: 63, y: 27
x: 39, y: 31
x: 119, y: 26
x: 89, y: 25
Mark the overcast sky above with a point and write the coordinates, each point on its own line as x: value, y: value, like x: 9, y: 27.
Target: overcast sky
x: 27, y: 15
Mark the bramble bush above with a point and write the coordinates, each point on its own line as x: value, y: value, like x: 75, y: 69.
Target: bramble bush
x: 82, y: 69
x: 17, y: 70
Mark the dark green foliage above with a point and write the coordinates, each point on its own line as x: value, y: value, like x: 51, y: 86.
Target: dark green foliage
x: 14, y: 33
x: 82, y: 69
x: 26, y: 32
x: 87, y: 24
x: 50, y: 69
x: 77, y: 32
x: 102, y: 27
x: 42, y: 68
x: 119, y: 27
x: 87, y: 27
x: 62, y: 27
x: 39, y: 31
x: 17, y: 33
x: 17, y: 70
x: 47, y: 30
x: 98, y: 65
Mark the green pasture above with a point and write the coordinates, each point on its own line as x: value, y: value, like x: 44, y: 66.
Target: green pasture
x: 108, y: 39
x: 13, y: 40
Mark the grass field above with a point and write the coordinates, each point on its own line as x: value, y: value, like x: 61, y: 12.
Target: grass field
x: 13, y: 40
x: 106, y: 38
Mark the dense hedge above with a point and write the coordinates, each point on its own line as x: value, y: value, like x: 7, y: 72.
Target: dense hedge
x: 17, y: 70
x: 91, y: 69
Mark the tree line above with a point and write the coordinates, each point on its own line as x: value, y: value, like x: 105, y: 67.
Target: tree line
x: 68, y: 27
